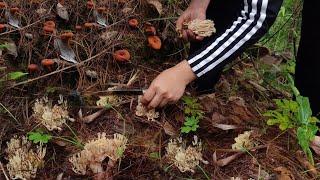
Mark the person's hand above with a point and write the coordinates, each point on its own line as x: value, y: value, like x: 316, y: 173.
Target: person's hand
x: 196, y: 10
x: 169, y: 86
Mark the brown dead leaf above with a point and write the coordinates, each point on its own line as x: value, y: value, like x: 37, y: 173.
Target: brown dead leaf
x: 239, y: 108
x: 157, y: 5
x: 92, y: 117
x: 225, y: 161
x: 169, y: 129
x: 284, y: 173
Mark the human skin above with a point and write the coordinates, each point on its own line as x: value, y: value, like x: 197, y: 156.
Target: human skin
x: 169, y: 86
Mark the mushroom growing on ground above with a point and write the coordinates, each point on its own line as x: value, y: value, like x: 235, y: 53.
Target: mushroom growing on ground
x: 154, y: 42
x: 32, y: 68
x: 3, y: 5
x: 88, y: 25
x: 101, y: 10
x: 49, y: 27
x: 2, y: 27
x: 23, y: 160
x: 66, y: 37
x: 90, y: 4
x: 47, y: 63
x: 185, y: 158
x: 142, y: 111
x: 96, y: 151
x: 53, y: 117
x: 150, y: 30
x: 122, y: 55
x: 133, y: 23
x: 78, y: 28
x: 14, y: 10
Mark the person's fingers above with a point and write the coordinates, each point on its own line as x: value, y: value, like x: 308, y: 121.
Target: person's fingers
x: 179, y: 23
x: 199, y: 38
x: 155, y: 101
x: 164, y: 102
x: 185, y: 35
x: 191, y: 35
x: 148, y: 95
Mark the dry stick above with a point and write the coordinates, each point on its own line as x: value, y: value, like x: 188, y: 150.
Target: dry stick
x: 4, y: 172
x: 8, y: 32
x: 57, y: 71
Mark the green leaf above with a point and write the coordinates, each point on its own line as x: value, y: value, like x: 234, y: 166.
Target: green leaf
x: 120, y: 151
x: 38, y: 137
x: 185, y: 129
x: 195, y: 127
x: 154, y: 155
x: 305, y: 111
x: 305, y: 134
x: 16, y: 75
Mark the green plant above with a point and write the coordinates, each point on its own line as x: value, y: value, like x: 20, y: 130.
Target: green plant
x: 295, y: 114
x: 193, y: 113
x: 39, y: 137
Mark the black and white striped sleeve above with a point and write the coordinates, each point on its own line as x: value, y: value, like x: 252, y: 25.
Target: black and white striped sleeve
x: 256, y: 18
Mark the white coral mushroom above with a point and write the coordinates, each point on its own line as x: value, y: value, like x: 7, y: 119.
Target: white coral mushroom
x: 23, y: 161
x: 185, y: 159
x: 243, y: 141
x: 141, y: 111
x: 52, y: 117
x: 204, y: 28
x: 96, y: 151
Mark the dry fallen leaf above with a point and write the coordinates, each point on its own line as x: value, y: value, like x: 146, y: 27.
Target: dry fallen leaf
x: 156, y: 4
x: 227, y: 160
x: 169, y: 129
x: 306, y: 164
x: 285, y: 174
x: 62, y: 12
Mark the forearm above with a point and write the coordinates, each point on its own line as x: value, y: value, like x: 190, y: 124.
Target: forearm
x: 201, y: 5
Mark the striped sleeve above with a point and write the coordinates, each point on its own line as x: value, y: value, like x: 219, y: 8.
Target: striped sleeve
x: 256, y: 18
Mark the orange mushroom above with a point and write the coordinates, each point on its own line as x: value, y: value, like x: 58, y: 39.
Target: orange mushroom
x: 78, y: 28
x: 2, y: 27
x: 133, y: 23
x: 150, y: 30
x: 122, y: 55
x: 3, y: 5
x: 90, y: 4
x: 66, y: 36
x: 50, y: 24
x: 14, y: 10
x: 102, y: 10
x: 48, y: 29
x: 48, y: 63
x: 154, y: 42
x: 88, y: 25
x: 32, y: 68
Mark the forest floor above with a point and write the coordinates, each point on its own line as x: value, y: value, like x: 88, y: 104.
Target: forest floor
x: 243, y: 94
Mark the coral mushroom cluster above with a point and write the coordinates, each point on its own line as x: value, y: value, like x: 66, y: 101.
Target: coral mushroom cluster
x: 142, y: 111
x: 51, y: 116
x: 185, y: 159
x: 96, y: 151
x: 23, y: 160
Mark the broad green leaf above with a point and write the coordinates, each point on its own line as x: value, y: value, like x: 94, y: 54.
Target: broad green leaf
x: 304, y: 112
x: 185, y: 129
x: 38, y: 137
x: 16, y: 75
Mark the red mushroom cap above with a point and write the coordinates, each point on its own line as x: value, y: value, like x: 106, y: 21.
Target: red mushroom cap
x: 154, y: 42
x: 122, y: 55
x: 133, y: 23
